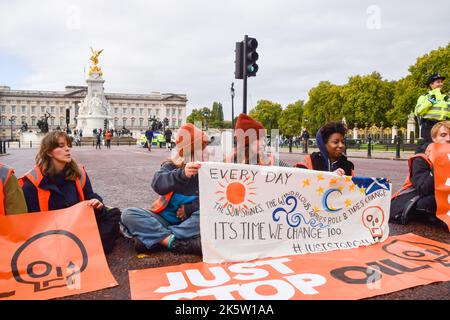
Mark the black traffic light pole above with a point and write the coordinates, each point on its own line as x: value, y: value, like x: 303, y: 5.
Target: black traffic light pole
x: 244, y: 74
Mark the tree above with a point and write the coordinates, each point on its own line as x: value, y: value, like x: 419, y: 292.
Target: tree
x: 267, y: 112
x: 216, y: 120
x: 290, y: 120
x: 436, y: 61
x: 406, y: 93
x: 324, y: 105
x: 198, y: 115
x: 367, y: 99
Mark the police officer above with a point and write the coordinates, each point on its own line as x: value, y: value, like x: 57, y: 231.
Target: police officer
x: 432, y: 107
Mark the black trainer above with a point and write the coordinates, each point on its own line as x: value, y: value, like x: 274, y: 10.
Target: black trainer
x: 139, y: 247
x: 188, y: 246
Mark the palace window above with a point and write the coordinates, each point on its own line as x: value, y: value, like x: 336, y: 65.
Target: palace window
x: 52, y: 110
x: 24, y: 109
x: 157, y: 112
x: 33, y: 109
x: 124, y: 122
x: 173, y: 112
x: 141, y: 122
x: 132, y: 111
x: 33, y: 121
x: 52, y: 121
x: 132, y: 122
x: 116, y: 123
x: 124, y: 111
x: 141, y: 112
x: 13, y: 109
x: 42, y: 109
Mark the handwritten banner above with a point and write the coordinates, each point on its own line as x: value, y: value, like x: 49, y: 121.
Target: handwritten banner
x: 250, y: 212
x: 399, y: 263
x: 440, y: 155
x: 52, y: 254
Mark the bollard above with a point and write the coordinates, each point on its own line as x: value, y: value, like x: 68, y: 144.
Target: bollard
x: 93, y: 143
x: 19, y: 144
x: 369, y: 148
x: 31, y: 144
x: 397, y: 153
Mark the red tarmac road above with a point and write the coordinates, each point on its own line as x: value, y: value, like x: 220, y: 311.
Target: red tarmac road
x: 122, y: 176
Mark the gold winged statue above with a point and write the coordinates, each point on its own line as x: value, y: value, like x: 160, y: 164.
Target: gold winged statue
x: 94, y: 58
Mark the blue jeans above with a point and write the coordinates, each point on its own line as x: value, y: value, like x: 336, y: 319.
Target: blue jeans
x: 151, y: 228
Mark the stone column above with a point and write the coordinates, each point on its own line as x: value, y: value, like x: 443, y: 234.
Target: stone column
x: 355, y: 131
x: 411, y: 127
x: 394, y: 133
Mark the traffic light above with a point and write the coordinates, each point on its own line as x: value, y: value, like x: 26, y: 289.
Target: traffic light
x: 238, y: 63
x: 251, y: 57
x: 166, y: 122
x: 67, y: 116
x: 105, y: 123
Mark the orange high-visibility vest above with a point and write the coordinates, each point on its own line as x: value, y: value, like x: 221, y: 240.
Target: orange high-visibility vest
x: 35, y: 177
x: 5, y: 174
x: 308, y: 164
x: 408, y: 183
x: 161, y: 203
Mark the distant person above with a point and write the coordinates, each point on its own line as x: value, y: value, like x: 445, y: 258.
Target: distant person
x: 168, y: 137
x: 149, y: 137
x: 305, y: 137
x: 98, y: 140
x: 331, y: 158
x: 12, y: 200
x: 108, y: 136
x: 432, y: 108
x: 416, y: 200
x: 58, y: 182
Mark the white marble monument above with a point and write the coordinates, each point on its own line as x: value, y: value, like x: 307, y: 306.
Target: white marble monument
x: 94, y: 108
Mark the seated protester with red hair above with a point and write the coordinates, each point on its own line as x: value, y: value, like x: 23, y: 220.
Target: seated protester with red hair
x: 415, y: 200
x: 249, y: 138
x: 174, y: 220
x: 12, y: 200
x: 58, y: 182
x: 331, y: 158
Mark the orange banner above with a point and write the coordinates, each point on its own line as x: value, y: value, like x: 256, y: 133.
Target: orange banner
x: 440, y: 156
x: 398, y: 263
x: 52, y: 254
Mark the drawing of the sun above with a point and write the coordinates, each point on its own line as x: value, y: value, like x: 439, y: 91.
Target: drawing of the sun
x: 236, y: 194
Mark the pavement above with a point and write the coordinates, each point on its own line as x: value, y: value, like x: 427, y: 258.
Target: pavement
x: 122, y: 176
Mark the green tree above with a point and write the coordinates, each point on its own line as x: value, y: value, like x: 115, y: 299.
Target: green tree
x: 324, y: 105
x: 216, y: 115
x: 267, y: 112
x: 367, y: 99
x: 436, y: 61
x: 198, y: 115
x: 406, y: 93
x: 290, y: 120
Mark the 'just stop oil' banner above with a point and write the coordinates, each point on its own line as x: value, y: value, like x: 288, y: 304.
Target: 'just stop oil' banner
x: 440, y: 156
x: 398, y: 263
x: 52, y: 254
x: 250, y: 212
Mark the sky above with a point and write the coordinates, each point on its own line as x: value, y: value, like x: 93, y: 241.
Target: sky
x: 187, y: 46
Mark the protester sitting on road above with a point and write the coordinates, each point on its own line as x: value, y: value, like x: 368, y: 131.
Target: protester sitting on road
x: 12, y: 200
x: 415, y: 200
x: 174, y: 220
x: 249, y: 142
x: 330, y: 141
x: 58, y: 182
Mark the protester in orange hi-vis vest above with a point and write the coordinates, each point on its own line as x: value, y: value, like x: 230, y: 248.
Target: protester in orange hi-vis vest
x: 12, y: 200
x: 174, y: 220
x: 416, y: 198
x: 58, y: 182
x: 249, y: 144
x: 330, y: 141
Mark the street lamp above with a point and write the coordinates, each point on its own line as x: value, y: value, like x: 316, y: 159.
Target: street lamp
x: 232, y: 104
x: 206, y: 115
x: 11, y: 120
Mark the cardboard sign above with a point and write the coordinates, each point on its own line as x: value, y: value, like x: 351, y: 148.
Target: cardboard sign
x: 400, y: 262
x: 52, y: 254
x: 250, y: 212
x: 440, y: 156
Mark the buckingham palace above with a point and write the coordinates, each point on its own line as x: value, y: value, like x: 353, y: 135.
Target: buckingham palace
x: 132, y: 111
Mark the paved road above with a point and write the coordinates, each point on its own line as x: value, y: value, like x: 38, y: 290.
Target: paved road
x: 122, y: 177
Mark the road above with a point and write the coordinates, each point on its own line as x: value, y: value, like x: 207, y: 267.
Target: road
x: 122, y: 176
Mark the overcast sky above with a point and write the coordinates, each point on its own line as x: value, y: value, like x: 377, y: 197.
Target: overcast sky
x: 187, y: 46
